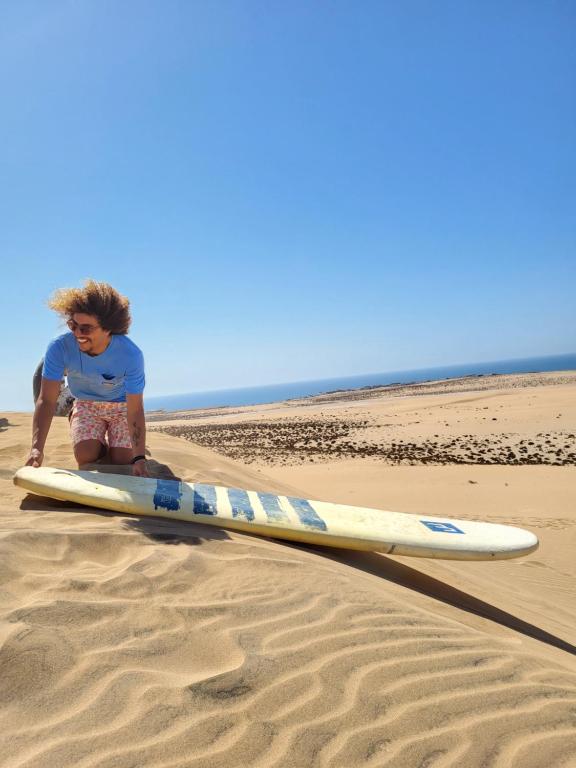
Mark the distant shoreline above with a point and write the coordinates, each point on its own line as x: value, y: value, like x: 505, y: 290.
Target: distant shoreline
x: 284, y: 392
x: 411, y: 383
x: 434, y: 386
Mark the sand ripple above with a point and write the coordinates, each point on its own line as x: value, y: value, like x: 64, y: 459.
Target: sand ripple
x: 131, y: 651
x: 129, y: 643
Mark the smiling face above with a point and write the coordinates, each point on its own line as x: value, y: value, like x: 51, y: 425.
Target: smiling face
x: 91, y: 337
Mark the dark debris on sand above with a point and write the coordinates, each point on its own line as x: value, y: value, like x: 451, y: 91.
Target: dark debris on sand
x: 301, y: 441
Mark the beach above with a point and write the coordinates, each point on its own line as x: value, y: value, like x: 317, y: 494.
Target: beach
x: 155, y: 643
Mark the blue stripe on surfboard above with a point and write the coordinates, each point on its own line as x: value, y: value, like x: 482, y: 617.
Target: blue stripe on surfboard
x: 274, y: 511
x: 167, y: 495
x: 307, y: 514
x: 240, y: 503
x: 204, y: 499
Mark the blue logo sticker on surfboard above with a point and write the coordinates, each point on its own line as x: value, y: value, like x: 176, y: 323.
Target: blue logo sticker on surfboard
x: 441, y: 527
x: 167, y: 495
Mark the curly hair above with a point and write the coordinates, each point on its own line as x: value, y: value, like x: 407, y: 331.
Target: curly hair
x: 97, y: 299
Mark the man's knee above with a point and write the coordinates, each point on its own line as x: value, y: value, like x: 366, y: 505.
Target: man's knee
x: 89, y: 451
x: 121, y: 455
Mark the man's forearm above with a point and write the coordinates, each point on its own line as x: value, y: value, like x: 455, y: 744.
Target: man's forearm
x: 43, y: 416
x: 137, y: 426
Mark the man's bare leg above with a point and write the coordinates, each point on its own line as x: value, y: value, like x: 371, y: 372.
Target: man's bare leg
x: 121, y: 455
x: 89, y: 451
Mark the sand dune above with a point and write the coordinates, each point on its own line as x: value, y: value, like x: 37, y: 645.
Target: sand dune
x: 145, y: 642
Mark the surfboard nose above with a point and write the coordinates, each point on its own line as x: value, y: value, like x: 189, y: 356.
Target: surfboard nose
x: 526, y: 541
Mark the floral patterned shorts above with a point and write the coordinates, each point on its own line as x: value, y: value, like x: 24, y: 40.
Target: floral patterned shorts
x: 91, y: 419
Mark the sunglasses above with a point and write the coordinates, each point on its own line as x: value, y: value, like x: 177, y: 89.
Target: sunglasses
x: 84, y: 328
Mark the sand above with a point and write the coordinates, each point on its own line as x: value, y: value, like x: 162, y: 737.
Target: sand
x: 129, y: 642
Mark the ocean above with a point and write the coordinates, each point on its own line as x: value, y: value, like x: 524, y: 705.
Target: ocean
x: 272, y: 393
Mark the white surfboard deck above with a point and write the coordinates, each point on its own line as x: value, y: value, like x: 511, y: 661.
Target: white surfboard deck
x: 283, y: 517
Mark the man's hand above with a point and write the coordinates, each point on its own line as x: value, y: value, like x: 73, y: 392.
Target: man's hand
x: 140, y: 469
x: 35, y: 458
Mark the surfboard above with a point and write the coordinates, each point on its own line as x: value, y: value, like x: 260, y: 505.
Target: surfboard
x: 283, y: 517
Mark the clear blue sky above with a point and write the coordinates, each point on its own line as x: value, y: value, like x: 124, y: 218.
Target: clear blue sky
x: 290, y: 190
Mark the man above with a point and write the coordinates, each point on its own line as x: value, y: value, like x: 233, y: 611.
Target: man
x: 105, y: 372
